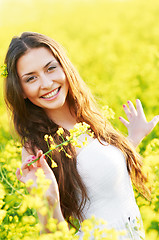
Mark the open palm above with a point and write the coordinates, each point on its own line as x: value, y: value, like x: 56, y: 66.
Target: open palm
x: 138, y: 127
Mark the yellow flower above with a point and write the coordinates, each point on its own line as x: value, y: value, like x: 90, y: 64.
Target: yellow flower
x: 74, y: 141
x: 46, y: 137
x: 2, y: 191
x: 1, y: 203
x: 91, y: 134
x: 61, y: 149
x: 29, y: 183
x: 4, y: 72
x: 68, y: 155
x: 63, y: 226
x: 85, y: 143
x: 65, y: 143
x: 108, y: 112
x: 60, y: 131
x: 22, y: 208
x: 50, y: 138
x: 2, y: 215
x: 43, y: 211
x: 54, y: 164
x: 68, y: 138
x: 52, y: 224
x: 40, y: 173
x: 52, y: 146
x: 16, y: 218
x: 10, y: 218
x: 6, y: 206
x: 28, y: 220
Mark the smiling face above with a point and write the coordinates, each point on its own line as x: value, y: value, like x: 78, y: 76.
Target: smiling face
x: 42, y: 79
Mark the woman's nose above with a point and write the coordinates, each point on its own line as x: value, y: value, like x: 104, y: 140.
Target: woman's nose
x: 46, y: 82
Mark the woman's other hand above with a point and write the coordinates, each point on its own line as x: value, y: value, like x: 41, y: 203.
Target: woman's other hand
x: 138, y: 127
x: 28, y: 172
x: 52, y: 193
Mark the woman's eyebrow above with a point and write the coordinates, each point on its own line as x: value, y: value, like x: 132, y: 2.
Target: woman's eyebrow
x: 50, y: 62
x: 44, y: 67
x: 28, y: 74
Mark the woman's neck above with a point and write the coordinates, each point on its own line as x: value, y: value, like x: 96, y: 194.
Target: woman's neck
x: 62, y: 117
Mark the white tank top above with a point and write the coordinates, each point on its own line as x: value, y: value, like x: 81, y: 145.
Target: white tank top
x: 104, y: 172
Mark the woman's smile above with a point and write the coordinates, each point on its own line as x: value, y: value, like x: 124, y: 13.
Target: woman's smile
x: 51, y: 95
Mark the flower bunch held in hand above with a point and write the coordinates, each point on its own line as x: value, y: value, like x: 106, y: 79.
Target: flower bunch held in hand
x: 75, y: 133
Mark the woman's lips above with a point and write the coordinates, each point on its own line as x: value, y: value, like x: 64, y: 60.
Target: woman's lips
x: 51, y: 95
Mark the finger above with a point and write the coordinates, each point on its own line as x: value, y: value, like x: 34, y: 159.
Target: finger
x: 126, y: 123
x: 132, y: 108
x: 25, y: 163
x: 154, y: 121
x: 38, y: 164
x: 128, y: 114
x: 25, y: 168
x: 139, y: 108
x: 39, y: 153
x: 44, y: 165
x: 18, y: 175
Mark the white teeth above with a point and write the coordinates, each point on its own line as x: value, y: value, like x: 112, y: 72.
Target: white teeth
x: 52, y: 94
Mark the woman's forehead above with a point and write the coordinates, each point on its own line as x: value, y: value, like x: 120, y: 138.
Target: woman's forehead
x: 40, y: 53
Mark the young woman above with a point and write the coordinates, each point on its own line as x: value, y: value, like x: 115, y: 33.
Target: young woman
x: 44, y: 91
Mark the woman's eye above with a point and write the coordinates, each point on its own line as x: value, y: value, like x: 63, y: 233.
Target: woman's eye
x: 30, y: 78
x: 51, y: 68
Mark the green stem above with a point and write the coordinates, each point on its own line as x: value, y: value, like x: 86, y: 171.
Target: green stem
x: 48, y: 152
x: 67, y: 141
x: 3, y: 178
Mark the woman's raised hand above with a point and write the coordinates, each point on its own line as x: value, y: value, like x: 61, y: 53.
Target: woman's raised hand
x: 28, y: 172
x: 138, y: 127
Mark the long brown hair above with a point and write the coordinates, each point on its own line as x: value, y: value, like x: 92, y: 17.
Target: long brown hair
x: 32, y: 124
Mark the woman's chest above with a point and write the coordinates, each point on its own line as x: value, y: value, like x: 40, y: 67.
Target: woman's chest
x: 102, y: 167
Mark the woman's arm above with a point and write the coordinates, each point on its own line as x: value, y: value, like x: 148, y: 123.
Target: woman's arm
x: 52, y: 194
x: 138, y: 127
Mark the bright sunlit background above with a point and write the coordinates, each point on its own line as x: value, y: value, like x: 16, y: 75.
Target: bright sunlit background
x: 115, y: 47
